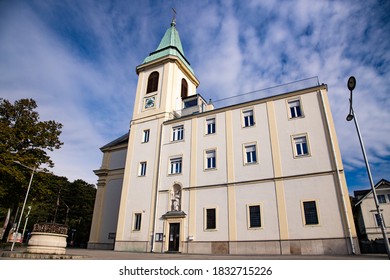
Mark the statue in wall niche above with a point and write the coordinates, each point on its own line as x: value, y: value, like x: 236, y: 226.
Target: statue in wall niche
x: 175, y: 199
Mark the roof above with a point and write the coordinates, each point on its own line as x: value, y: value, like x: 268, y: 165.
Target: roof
x: 170, y: 45
x: 366, y: 193
x: 119, y: 141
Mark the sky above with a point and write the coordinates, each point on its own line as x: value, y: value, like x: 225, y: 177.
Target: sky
x: 77, y: 59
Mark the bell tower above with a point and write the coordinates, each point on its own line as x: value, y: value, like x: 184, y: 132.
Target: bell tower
x: 165, y: 78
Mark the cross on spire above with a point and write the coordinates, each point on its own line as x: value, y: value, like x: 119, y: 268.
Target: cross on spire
x: 173, y: 23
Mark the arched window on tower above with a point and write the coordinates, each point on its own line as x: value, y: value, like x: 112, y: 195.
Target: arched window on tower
x: 184, y: 89
x: 152, y: 82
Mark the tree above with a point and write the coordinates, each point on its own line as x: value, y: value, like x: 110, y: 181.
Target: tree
x: 23, y: 138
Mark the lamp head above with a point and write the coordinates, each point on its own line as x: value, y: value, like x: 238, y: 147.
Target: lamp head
x: 350, y: 117
x: 351, y: 83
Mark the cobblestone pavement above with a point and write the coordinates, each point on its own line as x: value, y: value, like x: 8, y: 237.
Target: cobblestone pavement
x: 86, y: 254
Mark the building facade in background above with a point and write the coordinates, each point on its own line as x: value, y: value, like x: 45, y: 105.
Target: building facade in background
x: 263, y: 176
x: 366, y: 213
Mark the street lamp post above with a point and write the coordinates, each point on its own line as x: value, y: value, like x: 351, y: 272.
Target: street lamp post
x: 352, y: 116
x: 24, y: 203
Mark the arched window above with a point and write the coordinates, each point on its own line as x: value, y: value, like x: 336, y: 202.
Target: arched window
x: 184, y: 88
x: 152, y: 82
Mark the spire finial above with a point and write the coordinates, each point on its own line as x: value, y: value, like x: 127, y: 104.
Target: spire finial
x: 173, y: 23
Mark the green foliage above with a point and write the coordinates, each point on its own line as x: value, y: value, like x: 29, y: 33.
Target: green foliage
x: 26, y: 139
x: 23, y: 138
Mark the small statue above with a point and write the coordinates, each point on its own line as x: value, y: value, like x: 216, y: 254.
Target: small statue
x: 175, y: 194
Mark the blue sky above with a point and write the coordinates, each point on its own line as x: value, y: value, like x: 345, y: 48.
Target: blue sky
x: 77, y: 59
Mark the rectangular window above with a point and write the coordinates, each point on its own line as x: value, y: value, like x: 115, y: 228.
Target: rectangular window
x: 295, y: 108
x: 211, y: 222
x: 301, y: 147
x: 381, y: 198
x: 210, y: 126
x: 254, y: 216
x: 176, y: 165
x: 137, y: 221
x: 378, y: 221
x: 248, y: 118
x: 310, y: 212
x: 142, y: 168
x: 210, y: 159
x: 177, y: 133
x: 250, y: 154
x: 145, y: 137
x: 191, y: 103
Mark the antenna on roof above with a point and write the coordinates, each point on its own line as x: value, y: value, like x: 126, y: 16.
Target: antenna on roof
x: 173, y: 23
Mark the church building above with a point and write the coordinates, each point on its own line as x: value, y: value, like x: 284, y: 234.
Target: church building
x: 263, y: 176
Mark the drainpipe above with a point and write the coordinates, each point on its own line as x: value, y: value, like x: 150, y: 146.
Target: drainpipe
x: 338, y: 176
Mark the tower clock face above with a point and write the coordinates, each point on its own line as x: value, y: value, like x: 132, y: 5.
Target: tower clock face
x: 149, y: 102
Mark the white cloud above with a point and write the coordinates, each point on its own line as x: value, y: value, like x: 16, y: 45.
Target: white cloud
x: 80, y: 68
x: 67, y: 88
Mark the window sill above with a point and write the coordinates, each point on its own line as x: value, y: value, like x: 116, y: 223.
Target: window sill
x: 302, y: 156
x: 210, y: 169
x: 210, y: 230
x: 255, y: 228
x: 251, y: 163
x: 249, y: 126
x: 296, y: 118
x: 175, y: 174
x: 176, y: 141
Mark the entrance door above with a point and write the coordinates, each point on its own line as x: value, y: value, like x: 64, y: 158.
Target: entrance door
x: 174, y: 237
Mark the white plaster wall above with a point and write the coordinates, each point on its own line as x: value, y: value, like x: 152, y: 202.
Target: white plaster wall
x: 140, y: 189
x: 118, y: 159
x: 313, y: 124
x: 212, y: 198
x: 259, y: 134
x: 110, y: 209
x: 172, y: 149
x: 205, y: 142
x: 141, y: 90
x: 263, y: 194
x: 321, y: 189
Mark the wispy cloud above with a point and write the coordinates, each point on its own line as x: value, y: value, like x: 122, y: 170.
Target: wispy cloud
x: 282, y: 41
x: 77, y: 59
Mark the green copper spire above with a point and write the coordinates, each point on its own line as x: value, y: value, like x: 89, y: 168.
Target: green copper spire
x: 169, y: 45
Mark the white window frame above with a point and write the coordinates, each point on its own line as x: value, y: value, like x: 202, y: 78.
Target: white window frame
x: 178, y: 133
x: 247, y: 149
x: 211, y: 123
x: 210, y: 154
x: 304, y: 213
x: 292, y: 111
x: 297, y: 141
x: 146, y: 136
x: 175, y: 165
x: 205, y: 218
x: 249, y: 216
x: 142, y: 169
x: 248, y: 117
x: 137, y: 221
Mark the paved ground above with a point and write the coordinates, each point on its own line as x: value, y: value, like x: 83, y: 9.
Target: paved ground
x: 85, y: 254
